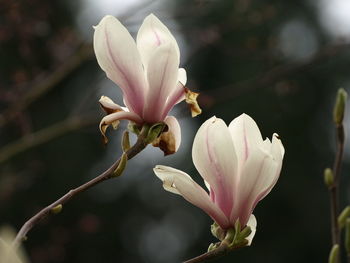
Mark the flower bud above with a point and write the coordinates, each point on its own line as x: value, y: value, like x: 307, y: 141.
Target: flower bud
x: 57, y: 209
x: 125, y: 141
x: 347, y: 236
x: 344, y: 215
x: 339, y: 107
x: 121, y: 166
x: 328, y: 177
x: 334, y: 254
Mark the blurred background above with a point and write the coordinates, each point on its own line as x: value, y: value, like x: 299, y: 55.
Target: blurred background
x: 279, y: 61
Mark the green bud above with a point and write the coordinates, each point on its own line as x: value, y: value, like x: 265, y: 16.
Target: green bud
x: 122, y: 164
x: 344, y: 215
x: 244, y: 233
x: 134, y: 128
x: 155, y: 131
x: 347, y: 236
x: 328, y: 177
x: 334, y: 254
x: 125, y: 141
x: 339, y: 107
x: 57, y: 209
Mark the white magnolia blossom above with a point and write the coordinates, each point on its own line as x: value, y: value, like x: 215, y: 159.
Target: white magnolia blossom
x: 147, y: 71
x: 239, y: 169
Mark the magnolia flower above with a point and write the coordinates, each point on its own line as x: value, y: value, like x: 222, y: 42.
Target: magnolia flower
x: 147, y: 71
x: 239, y: 169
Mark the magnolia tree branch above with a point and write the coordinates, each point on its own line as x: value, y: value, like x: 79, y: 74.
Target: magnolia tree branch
x: 208, y: 256
x: 106, y: 175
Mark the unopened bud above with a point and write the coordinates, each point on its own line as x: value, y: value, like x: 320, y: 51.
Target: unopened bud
x: 347, y: 236
x: 339, y: 107
x: 121, y: 166
x: 125, y: 141
x: 328, y: 177
x: 334, y: 254
x: 57, y: 209
x: 344, y: 215
x: 154, y: 132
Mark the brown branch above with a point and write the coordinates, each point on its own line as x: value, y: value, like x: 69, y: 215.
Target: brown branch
x: 44, y: 86
x: 108, y: 174
x: 208, y: 256
x: 47, y: 134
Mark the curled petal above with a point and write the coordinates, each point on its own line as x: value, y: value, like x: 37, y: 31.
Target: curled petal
x: 245, y: 135
x: 252, y: 223
x: 152, y: 34
x: 162, y: 77
x: 109, y: 106
x: 114, y: 119
x: 191, y: 99
x: 214, y: 156
x: 169, y: 141
x: 118, y: 56
x: 180, y: 183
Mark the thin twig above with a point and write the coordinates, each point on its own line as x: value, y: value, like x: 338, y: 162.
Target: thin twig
x: 108, y: 174
x: 334, y: 189
x: 44, y: 135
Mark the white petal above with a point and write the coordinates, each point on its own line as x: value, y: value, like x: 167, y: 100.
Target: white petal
x: 162, y: 78
x: 215, y: 158
x: 259, y: 174
x: 118, y: 56
x: 152, y: 34
x: 178, y: 182
x: 252, y: 223
x: 114, y: 119
x: 246, y: 136
x: 182, y: 76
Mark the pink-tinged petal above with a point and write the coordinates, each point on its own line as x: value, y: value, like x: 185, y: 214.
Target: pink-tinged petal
x: 109, y: 106
x: 114, y: 119
x: 214, y: 156
x: 252, y: 223
x: 245, y: 135
x: 162, y: 77
x: 176, y: 97
x: 259, y: 173
x: 118, y: 56
x: 152, y: 34
x: 180, y: 183
x: 169, y: 141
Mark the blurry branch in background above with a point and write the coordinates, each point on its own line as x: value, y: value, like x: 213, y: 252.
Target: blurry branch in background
x: 45, y: 135
x: 37, y: 91
x: 276, y: 73
x: 332, y: 178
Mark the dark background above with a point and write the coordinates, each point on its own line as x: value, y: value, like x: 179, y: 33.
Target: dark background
x: 281, y: 62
